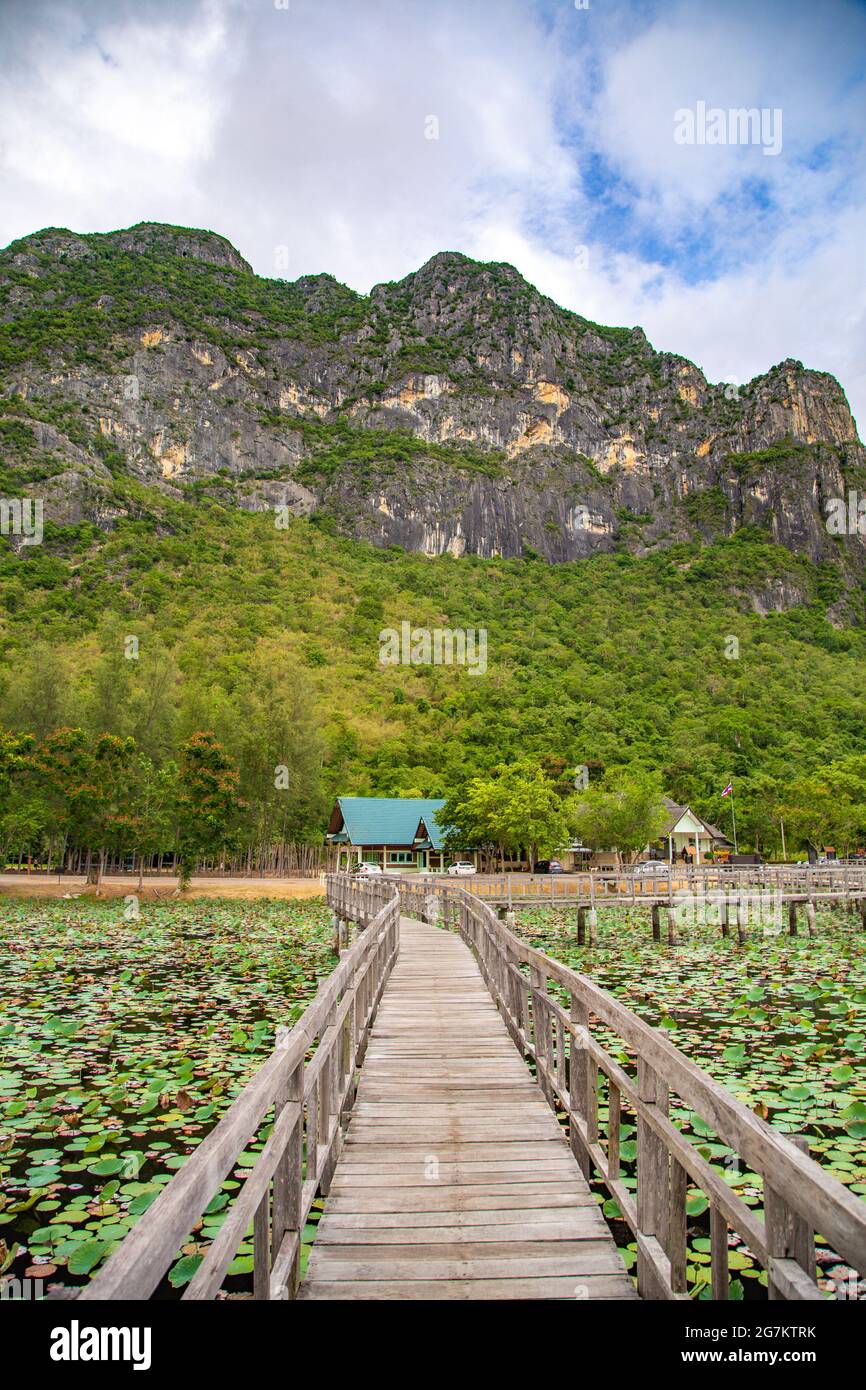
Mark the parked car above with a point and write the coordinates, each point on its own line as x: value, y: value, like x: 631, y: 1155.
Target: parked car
x: 461, y: 868
x: 368, y: 871
x: 652, y: 866
x: 548, y: 866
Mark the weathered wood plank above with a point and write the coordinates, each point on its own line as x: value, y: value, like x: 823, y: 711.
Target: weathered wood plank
x: 470, y: 1260
x: 454, y: 1174
x: 587, y: 1287
x: 582, y: 1224
x: 503, y: 1196
x: 420, y: 1220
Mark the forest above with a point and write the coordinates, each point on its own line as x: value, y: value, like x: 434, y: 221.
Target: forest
x: 197, y: 619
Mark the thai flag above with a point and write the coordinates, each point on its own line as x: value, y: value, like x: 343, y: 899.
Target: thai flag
x: 728, y: 789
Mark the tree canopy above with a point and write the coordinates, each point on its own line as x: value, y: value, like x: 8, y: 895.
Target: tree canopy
x: 269, y: 639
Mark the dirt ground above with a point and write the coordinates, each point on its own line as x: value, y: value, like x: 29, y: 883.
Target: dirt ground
x: 114, y: 886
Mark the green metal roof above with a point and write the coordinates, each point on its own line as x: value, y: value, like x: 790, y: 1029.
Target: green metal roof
x: 389, y: 820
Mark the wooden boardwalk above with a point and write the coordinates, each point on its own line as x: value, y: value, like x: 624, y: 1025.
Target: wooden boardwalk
x: 455, y: 1180
x: 418, y: 1094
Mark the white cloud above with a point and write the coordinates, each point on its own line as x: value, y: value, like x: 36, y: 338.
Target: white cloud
x: 794, y: 59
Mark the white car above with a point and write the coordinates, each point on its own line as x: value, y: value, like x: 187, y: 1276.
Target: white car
x: 368, y: 871
x: 657, y: 867
x: 462, y: 868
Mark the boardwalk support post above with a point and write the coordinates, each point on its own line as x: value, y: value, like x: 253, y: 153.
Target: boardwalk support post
x: 742, y: 917
x: 671, y: 914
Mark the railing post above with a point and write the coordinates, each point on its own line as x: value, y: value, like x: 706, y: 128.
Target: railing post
x: 614, y: 1119
x: 262, y: 1247
x: 719, y: 1254
x: 347, y: 1060
x: 327, y: 1107
x: 653, y: 1180
x: 541, y: 1029
x: 577, y: 1083
x: 288, y: 1180
x: 677, y: 1226
x: 789, y: 1236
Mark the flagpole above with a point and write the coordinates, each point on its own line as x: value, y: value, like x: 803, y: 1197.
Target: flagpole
x: 733, y: 816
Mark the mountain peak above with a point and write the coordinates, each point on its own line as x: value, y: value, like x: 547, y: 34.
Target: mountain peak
x: 144, y: 238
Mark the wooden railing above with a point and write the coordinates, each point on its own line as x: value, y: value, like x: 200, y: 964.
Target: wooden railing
x: 555, y: 1015
x: 843, y: 881
x: 308, y: 1083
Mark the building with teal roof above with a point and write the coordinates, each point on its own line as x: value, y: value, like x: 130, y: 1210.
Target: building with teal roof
x: 399, y: 833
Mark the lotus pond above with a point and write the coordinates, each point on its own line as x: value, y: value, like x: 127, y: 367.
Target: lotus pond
x: 780, y: 1021
x: 121, y: 1044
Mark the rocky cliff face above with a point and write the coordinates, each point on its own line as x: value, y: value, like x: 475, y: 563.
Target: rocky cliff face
x: 457, y: 410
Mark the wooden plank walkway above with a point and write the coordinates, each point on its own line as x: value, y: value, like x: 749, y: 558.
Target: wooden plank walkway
x: 455, y: 1180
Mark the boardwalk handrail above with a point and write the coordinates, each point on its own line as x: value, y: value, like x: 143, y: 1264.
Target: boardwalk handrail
x: 840, y: 881
x: 310, y: 1096
x: 800, y: 1197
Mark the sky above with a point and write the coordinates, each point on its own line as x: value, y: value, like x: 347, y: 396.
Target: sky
x: 360, y: 137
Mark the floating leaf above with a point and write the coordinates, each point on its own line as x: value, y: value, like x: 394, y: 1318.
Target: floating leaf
x: 86, y: 1256
x: 182, y: 1272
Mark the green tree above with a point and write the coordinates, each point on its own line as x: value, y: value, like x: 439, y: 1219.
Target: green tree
x: 517, y: 808
x: 275, y: 739
x: 820, y: 813
x: 624, y: 812
x: 40, y: 697
x: 154, y: 803
x: 208, y: 806
x: 15, y: 751
x: 111, y: 827
x: 62, y: 767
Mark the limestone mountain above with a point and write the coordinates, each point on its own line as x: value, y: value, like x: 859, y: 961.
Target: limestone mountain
x: 456, y: 410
